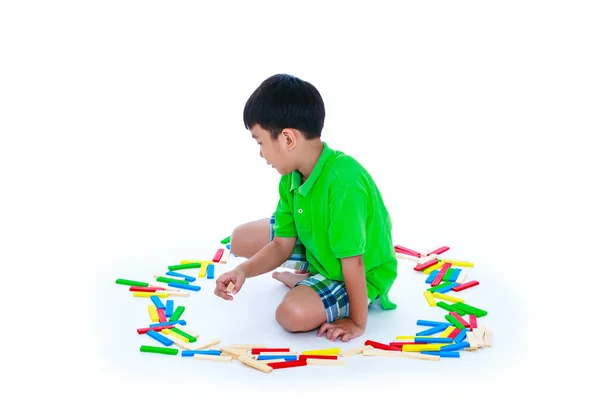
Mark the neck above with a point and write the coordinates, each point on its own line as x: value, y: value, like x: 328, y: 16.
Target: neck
x: 314, y: 148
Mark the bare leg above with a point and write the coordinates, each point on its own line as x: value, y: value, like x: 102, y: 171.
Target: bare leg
x: 247, y: 239
x: 301, y: 310
x: 289, y: 278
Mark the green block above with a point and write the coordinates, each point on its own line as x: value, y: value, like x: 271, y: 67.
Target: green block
x: 438, y: 287
x: 445, y: 306
x: 177, y: 313
x: 452, y: 319
x: 183, y: 266
x: 448, y: 274
x: 184, y: 334
x: 167, y: 280
x: 226, y: 240
x: 131, y: 283
x: 160, y: 350
x: 478, y: 312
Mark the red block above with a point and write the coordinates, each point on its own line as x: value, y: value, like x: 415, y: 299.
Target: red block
x: 153, y: 328
x: 161, y: 315
x: 267, y: 349
x: 287, y: 364
x: 141, y: 289
x: 218, y: 255
x: 454, y: 333
x: 381, y: 346
x: 402, y: 249
x: 421, y: 267
x: 305, y: 356
x: 440, y: 250
x: 400, y: 344
x: 460, y: 319
x: 438, y: 278
x: 465, y: 285
x: 472, y: 321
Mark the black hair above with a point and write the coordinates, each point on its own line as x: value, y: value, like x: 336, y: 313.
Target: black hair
x: 285, y: 101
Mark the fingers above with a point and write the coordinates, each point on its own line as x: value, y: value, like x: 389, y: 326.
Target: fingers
x: 221, y: 288
x: 336, y: 333
x: 324, y: 328
x: 346, y: 337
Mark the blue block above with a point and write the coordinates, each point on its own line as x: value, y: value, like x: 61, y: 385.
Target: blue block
x: 447, y: 288
x: 184, y: 286
x: 434, y: 330
x: 228, y: 246
x: 425, y: 322
x: 190, y: 353
x: 180, y: 322
x: 169, y: 308
x: 433, y: 340
x: 456, y: 346
x: 431, y: 277
x: 210, y: 271
x: 451, y: 354
x: 286, y: 358
x: 454, y: 275
x: 461, y: 336
x: 161, y: 338
x: 156, y: 300
x: 180, y: 275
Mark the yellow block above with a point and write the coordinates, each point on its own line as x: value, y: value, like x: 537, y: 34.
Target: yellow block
x: 422, y: 347
x: 175, y: 334
x: 148, y: 294
x: 323, y: 352
x: 153, y: 313
x: 203, y: 269
x: 433, y: 268
x: 405, y: 337
x: 429, y: 298
x: 443, y: 296
x: 459, y: 263
x: 447, y: 331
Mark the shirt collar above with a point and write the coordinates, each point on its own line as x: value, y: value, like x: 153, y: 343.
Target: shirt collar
x: 305, y: 187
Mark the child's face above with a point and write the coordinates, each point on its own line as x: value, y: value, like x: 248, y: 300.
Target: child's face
x: 273, y: 150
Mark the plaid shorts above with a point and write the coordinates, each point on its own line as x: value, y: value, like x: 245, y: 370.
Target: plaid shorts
x: 332, y: 293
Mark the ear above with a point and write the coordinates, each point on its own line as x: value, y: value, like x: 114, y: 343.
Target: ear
x: 289, y: 138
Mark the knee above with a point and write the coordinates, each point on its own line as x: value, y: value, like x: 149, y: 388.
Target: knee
x: 291, y: 316
x: 236, y: 242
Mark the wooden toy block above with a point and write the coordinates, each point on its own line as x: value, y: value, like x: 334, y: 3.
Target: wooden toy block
x: 172, y: 333
x: 184, y: 265
x: 443, y: 288
x: 187, y: 330
x: 388, y: 353
x: 185, y: 286
x: 472, y: 340
x: 447, y: 331
x: 460, y: 319
x: 204, y: 269
x: 442, y: 296
x: 435, y: 266
x: 210, y: 271
x: 187, y: 262
x: 166, y: 279
x: 487, y: 338
x: 161, y: 315
x: 161, y: 338
x: 439, y: 250
x: 330, y: 351
x: 150, y: 294
x: 351, y: 352
x: 218, y: 255
x: 164, y: 287
x: 273, y: 360
x: 304, y: 357
x: 478, y: 333
x: 129, y: 282
x: 277, y: 353
x: 205, y: 345
x: 179, y: 294
x: 153, y: 313
x: 212, y: 358
x: 323, y: 361
x: 469, y: 309
x: 465, y: 285
x: 176, y: 340
x: 260, y: 350
x: 235, y: 352
x: 153, y: 328
x: 429, y: 297
x: 184, y: 335
x: 433, y: 330
x: 225, y: 256
x: 180, y: 275
x: 455, y: 333
x: 438, y: 278
x: 406, y: 250
x: 472, y: 321
x: 425, y: 265
x: 287, y: 364
x: 266, y: 368
x: 405, y: 337
x: 460, y: 263
x: 230, y: 287
x: 452, y: 319
x: 407, y: 257
x: 248, y: 346
x: 381, y: 346
x: 177, y: 313
x: 461, y: 276
x: 421, y: 347
x: 142, y: 289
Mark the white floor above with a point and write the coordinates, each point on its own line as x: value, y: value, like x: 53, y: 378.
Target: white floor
x: 250, y: 319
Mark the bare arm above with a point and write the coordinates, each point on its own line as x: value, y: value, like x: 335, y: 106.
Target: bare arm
x: 269, y: 257
x: 353, y: 270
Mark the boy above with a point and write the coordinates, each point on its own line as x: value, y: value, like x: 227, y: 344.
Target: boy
x: 330, y: 219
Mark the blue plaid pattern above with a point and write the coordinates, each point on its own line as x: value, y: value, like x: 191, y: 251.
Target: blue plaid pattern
x: 332, y: 293
x: 297, y: 260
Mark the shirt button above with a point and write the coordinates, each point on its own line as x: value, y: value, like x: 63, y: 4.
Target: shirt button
x: 300, y: 211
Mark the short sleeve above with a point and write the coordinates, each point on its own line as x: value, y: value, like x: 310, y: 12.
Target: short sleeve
x: 348, y: 222
x: 284, y: 220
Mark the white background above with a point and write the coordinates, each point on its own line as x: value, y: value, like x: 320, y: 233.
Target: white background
x: 123, y: 151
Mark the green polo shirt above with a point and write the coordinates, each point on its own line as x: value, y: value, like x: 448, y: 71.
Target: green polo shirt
x: 338, y: 212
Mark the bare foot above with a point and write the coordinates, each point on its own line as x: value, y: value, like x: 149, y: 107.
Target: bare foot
x: 290, y: 279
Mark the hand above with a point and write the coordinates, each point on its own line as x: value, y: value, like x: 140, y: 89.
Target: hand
x: 343, y: 328
x: 237, y: 276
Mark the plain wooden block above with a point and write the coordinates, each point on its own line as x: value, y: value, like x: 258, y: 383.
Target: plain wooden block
x: 393, y: 353
x: 230, y: 287
x: 249, y: 346
x: 212, y: 358
x: 187, y: 330
x: 461, y: 276
x: 278, y: 353
x: 202, y: 346
x: 478, y: 332
x: 271, y: 361
x: 472, y: 341
x: 179, y: 294
x: 487, y: 338
x: 255, y: 364
x: 407, y: 257
x: 323, y: 361
x: 225, y: 256
x: 231, y: 351
x: 351, y: 352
